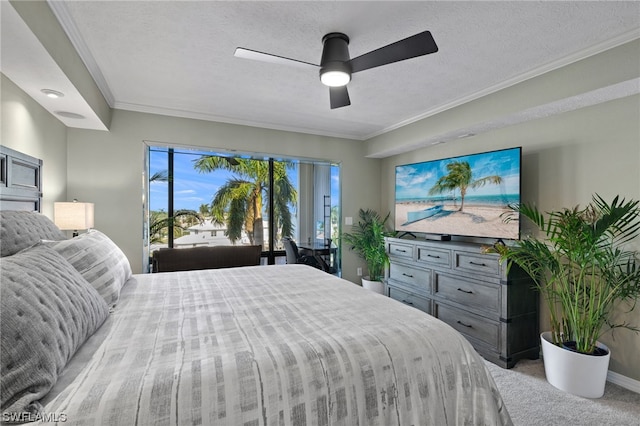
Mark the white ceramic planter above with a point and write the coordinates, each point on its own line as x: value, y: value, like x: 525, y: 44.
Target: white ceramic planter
x: 573, y: 372
x: 375, y: 286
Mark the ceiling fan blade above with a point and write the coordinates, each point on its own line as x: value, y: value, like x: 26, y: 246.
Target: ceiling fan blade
x: 339, y: 97
x: 411, y: 47
x: 241, y: 52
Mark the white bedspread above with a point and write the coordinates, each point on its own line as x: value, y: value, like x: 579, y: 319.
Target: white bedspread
x: 274, y: 345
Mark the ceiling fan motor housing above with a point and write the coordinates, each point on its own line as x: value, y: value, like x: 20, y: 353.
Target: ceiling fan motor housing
x: 335, y: 54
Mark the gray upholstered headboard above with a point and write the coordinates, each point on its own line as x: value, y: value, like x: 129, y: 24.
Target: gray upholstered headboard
x: 20, y: 181
x: 21, y: 225
x: 22, y: 229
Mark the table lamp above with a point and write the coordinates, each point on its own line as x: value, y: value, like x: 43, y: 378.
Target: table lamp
x: 73, y: 216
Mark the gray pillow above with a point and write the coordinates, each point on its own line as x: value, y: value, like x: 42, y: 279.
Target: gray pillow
x: 47, y: 311
x: 20, y: 230
x: 99, y: 260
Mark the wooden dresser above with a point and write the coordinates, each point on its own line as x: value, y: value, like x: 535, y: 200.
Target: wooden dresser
x: 471, y: 291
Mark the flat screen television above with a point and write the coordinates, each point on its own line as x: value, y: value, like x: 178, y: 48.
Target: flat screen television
x: 461, y: 196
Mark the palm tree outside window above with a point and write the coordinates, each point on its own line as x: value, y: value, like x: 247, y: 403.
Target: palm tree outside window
x: 240, y: 203
x: 212, y: 198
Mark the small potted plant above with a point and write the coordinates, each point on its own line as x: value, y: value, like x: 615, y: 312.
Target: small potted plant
x: 367, y: 239
x: 583, y: 268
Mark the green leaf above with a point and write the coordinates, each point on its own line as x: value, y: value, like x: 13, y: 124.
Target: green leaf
x: 581, y: 265
x: 367, y: 239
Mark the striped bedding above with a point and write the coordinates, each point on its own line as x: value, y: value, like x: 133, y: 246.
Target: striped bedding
x: 272, y: 345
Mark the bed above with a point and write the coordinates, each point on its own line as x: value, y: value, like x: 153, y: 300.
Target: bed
x: 85, y: 342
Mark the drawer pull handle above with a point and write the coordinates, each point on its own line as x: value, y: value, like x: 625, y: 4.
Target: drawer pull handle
x: 407, y: 275
x: 406, y: 302
x: 434, y: 256
x: 465, y: 291
x: 401, y: 251
x: 466, y: 325
x: 478, y: 264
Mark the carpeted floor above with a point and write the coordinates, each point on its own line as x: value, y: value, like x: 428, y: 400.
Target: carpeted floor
x: 532, y: 401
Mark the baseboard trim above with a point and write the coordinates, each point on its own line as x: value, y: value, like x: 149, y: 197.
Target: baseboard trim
x: 624, y: 381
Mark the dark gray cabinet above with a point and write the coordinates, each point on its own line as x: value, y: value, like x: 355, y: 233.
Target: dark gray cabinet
x: 495, y: 309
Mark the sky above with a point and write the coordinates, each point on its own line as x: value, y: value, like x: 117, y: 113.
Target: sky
x: 415, y: 180
x: 192, y: 189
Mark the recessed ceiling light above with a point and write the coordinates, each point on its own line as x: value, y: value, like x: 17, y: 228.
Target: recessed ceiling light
x: 67, y: 114
x: 52, y: 93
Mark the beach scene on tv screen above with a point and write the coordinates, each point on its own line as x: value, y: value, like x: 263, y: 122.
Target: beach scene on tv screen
x: 464, y: 195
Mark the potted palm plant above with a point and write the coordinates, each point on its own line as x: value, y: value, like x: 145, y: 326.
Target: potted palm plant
x: 367, y: 239
x: 583, y: 267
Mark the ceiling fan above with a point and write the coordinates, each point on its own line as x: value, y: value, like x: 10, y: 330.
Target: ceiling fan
x: 336, y: 67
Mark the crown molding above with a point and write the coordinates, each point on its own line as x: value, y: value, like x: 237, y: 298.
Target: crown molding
x: 583, y: 100
x: 221, y: 119
x: 551, y: 66
x: 67, y: 23
x: 62, y: 14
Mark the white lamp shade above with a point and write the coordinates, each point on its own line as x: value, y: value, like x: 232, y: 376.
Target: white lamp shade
x: 73, y: 216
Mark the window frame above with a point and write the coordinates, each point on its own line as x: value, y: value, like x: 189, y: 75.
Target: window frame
x: 271, y: 254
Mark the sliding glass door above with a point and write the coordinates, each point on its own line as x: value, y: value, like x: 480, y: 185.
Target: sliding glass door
x: 201, y: 198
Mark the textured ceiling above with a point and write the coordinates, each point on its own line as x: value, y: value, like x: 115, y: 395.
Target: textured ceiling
x: 176, y: 58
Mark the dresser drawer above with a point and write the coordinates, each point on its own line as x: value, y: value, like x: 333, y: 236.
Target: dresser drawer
x: 410, y: 299
x: 470, y: 325
x: 401, y: 250
x: 415, y: 277
x: 434, y: 257
x: 494, y: 307
x: 477, y: 295
x: 477, y: 264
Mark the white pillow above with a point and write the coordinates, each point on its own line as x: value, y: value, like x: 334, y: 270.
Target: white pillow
x: 99, y: 260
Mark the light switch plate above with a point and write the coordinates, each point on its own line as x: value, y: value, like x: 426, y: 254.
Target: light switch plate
x: 348, y: 220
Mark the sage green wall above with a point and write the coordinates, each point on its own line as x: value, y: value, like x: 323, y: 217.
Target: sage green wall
x: 620, y: 65
x: 106, y: 168
x: 29, y: 128
x: 566, y: 158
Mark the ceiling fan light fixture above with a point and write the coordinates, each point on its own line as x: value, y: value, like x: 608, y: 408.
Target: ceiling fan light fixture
x: 335, y: 70
x: 335, y: 78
